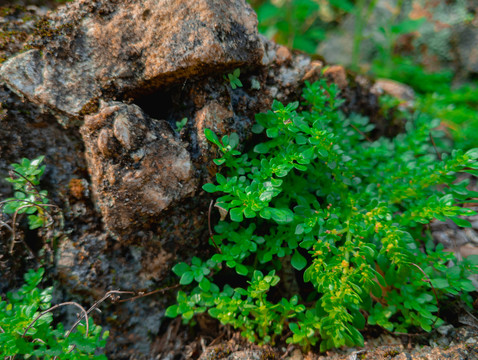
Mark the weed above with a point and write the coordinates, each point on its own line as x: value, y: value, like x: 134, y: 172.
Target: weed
x: 181, y: 124
x: 345, y: 214
x: 27, y: 198
x: 26, y: 326
x: 233, y: 79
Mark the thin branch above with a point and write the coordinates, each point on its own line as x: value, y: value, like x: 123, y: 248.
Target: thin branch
x: 210, y: 228
x: 55, y: 307
x: 141, y: 294
x: 14, y: 220
x: 95, y: 305
x: 28, y: 180
x: 4, y: 224
x: 435, y: 146
x: 361, y: 132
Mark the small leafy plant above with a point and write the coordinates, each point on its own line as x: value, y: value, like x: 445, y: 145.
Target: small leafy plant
x: 233, y: 79
x: 181, y: 124
x: 337, y: 215
x: 26, y: 327
x: 27, y: 199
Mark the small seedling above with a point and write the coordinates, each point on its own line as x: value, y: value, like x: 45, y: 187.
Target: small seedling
x: 256, y: 85
x: 233, y: 79
x: 180, y: 124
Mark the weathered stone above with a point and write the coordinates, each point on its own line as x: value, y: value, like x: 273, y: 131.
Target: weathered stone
x: 394, y: 88
x: 212, y: 116
x: 103, y: 49
x: 137, y: 166
x: 338, y: 75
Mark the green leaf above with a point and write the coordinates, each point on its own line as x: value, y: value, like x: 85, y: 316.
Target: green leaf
x: 187, y: 278
x: 472, y: 153
x: 210, y: 188
x: 282, y: 216
x: 440, y: 283
x: 205, y: 284
x: 460, y: 222
x: 212, y: 137
x: 180, y: 268
x: 236, y: 214
x: 214, y: 312
x: 298, y: 261
x: 241, y: 270
x: 261, y: 148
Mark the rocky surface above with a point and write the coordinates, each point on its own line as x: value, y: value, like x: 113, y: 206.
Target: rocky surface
x: 89, y: 50
x: 457, y: 344
x: 138, y: 167
x: 127, y: 178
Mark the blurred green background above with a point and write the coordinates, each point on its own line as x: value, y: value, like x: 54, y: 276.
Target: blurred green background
x: 429, y: 45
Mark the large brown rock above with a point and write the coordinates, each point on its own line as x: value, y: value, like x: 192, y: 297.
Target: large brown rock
x: 103, y: 49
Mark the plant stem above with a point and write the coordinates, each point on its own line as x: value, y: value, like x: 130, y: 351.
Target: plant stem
x: 359, y: 24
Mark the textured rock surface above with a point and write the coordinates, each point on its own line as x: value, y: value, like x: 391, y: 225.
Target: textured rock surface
x: 92, y: 49
x: 138, y: 168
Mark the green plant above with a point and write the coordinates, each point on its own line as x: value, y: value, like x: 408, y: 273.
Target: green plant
x: 181, y: 124
x: 295, y: 23
x: 233, y: 79
x: 26, y: 327
x: 27, y: 198
x: 457, y: 107
x: 317, y: 199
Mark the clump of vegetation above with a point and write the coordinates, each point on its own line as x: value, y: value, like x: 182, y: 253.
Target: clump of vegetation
x: 456, y: 107
x: 26, y: 326
x: 344, y: 215
x: 28, y: 199
x: 397, y: 33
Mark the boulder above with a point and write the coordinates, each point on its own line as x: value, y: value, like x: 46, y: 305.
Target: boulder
x: 104, y: 49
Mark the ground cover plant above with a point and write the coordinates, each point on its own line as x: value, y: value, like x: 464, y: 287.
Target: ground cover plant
x: 304, y: 24
x: 28, y: 199
x: 27, y: 329
x: 319, y: 204
x: 455, y: 106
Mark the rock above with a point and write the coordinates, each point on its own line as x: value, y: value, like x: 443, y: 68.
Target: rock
x: 100, y: 49
x: 337, y: 74
x: 296, y: 355
x: 220, y: 353
x: 394, y: 88
x: 138, y: 168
